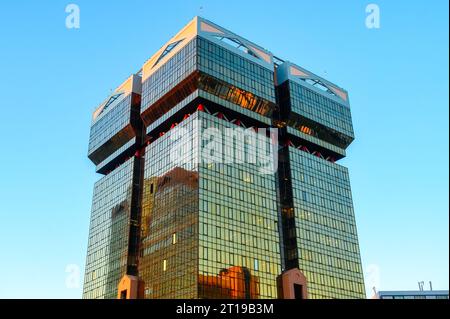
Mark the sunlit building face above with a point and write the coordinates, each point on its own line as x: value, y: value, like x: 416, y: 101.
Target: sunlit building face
x: 220, y: 178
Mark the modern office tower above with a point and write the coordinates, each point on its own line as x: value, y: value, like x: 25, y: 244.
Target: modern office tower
x: 221, y: 181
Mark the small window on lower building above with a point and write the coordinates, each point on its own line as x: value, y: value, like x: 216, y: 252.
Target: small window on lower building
x: 174, y: 238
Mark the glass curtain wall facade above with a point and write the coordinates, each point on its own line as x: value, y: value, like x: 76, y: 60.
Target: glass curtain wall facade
x: 327, y: 244
x: 317, y: 203
x: 106, y: 261
x: 168, y: 263
x: 186, y: 224
x: 239, y: 249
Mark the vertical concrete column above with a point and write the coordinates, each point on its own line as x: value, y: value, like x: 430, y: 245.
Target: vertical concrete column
x: 292, y: 284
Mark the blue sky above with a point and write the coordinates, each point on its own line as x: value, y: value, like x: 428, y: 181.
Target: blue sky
x: 52, y: 78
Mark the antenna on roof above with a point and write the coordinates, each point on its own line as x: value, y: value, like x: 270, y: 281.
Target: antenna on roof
x: 421, y: 283
x: 431, y: 286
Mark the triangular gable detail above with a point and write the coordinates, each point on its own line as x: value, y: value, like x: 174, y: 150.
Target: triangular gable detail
x: 110, y: 100
x: 261, y: 54
x: 167, y: 50
x: 338, y: 92
x: 188, y: 32
x: 297, y: 72
x: 209, y: 28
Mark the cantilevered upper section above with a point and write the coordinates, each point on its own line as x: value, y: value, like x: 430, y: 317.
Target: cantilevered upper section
x: 290, y: 71
x: 214, y: 33
x: 207, y: 61
x: 314, y: 105
x: 206, y: 58
x: 113, y: 120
